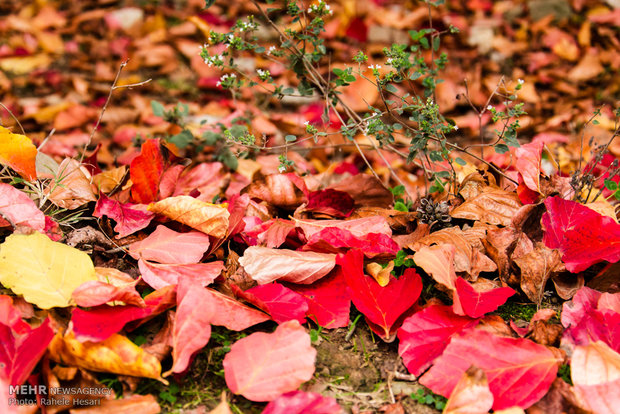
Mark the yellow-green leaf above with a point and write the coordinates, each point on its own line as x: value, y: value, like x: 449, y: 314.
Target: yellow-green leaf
x: 43, y: 271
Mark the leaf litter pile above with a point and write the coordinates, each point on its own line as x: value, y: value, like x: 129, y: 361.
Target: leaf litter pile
x: 183, y: 276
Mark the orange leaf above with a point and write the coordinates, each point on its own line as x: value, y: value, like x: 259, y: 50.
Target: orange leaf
x: 145, y: 172
x: 19, y: 153
x: 211, y: 219
x: 438, y: 261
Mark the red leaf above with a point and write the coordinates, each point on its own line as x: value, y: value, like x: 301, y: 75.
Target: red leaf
x: 129, y: 217
x: 145, y: 171
x: 328, y: 299
x: 333, y: 202
x: 158, y: 276
x: 17, y: 207
x: 263, y: 366
x: 282, y: 303
x: 96, y: 292
x: 21, y: 347
x: 358, y: 227
x: 272, y: 233
x: 583, y: 236
x: 468, y: 301
x: 336, y: 240
x: 519, y: 371
x: 381, y: 306
x: 357, y: 30
x: 301, y: 402
x: 192, y: 328
x: 101, y: 322
x: 425, y: 335
x: 528, y: 158
x: 170, y: 247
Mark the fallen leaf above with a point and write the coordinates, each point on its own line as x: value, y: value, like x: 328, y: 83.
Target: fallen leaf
x: 424, y: 335
x: 282, y: 303
x: 278, y: 190
x: 536, y: 268
x: 438, y: 262
x: 43, y: 271
x: 145, y: 171
x: 492, y: 206
x: 266, y: 265
x: 338, y: 240
x: 471, y: 395
x: 113, y: 285
x: 331, y: 202
x: 158, y: 275
x: 136, y: 403
x: 71, y: 187
x: 18, y: 152
x: 19, y: 209
x: 382, y: 306
x: 171, y: 247
x: 22, y: 346
x: 595, y: 372
x: 528, y: 161
x: 231, y: 313
x: 474, y: 303
x: 583, y: 236
x: 519, y: 371
x: 192, y: 328
x: 272, y: 233
x: 129, y: 217
x: 302, y: 402
x: 262, y: 366
x: 357, y: 227
x: 211, y: 219
x: 116, y: 355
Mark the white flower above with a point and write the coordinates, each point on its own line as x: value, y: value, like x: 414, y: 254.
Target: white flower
x: 271, y: 49
x: 490, y: 107
x: 521, y: 81
x: 307, y: 123
x: 456, y: 127
x: 371, y: 67
x: 282, y: 168
x: 378, y: 66
x: 218, y: 83
x: 389, y: 61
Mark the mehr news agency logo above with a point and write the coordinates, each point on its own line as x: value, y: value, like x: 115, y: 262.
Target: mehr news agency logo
x: 27, y: 395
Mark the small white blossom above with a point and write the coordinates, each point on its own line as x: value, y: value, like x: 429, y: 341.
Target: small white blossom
x: 490, y: 107
x: 456, y: 127
x: 389, y: 61
x: 378, y: 66
x: 371, y: 67
x: 521, y: 81
x: 282, y: 168
x: 307, y: 123
x: 271, y: 50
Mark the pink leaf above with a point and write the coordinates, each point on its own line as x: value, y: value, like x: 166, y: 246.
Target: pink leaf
x: 301, y: 402
x: 358, y: 227
x: 96, y: 292
x: 170, y: 247
x: 425, y: 335
x: 158, y: 276
x: 232, y: 314
x: 282, y: 303
x: 263, y: 366
x: 438, y: 262
x: 381, y: 306
x: 519, y: 371
x: 583, y: 236
x: 333, y: 202
x: 336, y: 240
x: 192, y: 328
x: 272, y: 233
x: 129, y: 217
x: 266, y: 265
x: 328, y: 299
x: 528, y: 158
x: 468, y: 301
x: 19, y: 209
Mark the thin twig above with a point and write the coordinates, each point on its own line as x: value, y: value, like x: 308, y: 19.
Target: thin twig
x: 14, y: 117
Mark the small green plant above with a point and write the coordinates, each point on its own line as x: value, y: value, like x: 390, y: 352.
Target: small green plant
x: 399, y: 202
x: 427, y: 397
x: 170, y: 394
x: 564, y: 373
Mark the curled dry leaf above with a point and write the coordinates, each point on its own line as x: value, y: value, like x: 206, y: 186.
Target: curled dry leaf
x: 492, y: 206
x: 366, y: 190
x: 471, y: 394
x: 263, y: 366
x: 211, y: 219
x: 117, y: 355
x: 72, y: 187
x: 266, y: 265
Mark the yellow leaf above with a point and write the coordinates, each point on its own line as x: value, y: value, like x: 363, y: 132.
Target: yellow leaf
x: 43, y: 271
x: 208, y: 218
x: 19, y: 153
x: 117, y: 355
x: 379, y: 273
x: 22, y: 65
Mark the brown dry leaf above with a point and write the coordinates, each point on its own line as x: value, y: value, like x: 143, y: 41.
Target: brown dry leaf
x: 366, y: 190
x: 536, y: 268
x: 471, y: 394
x: 492, y: 206
x: 143, y: 404
x: 438, y: 261
x: 595, y: 371
x: 72, y: 186
x: 567, y: 284
x: 266, y: 265
x: 463, y: 255
x: 560, y: 398
x: 117, y: 355
x: 545, y: 333
x: 108, y: 180
x: 211, y: 219
x: 277, y: 190
x: 588, y: 67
